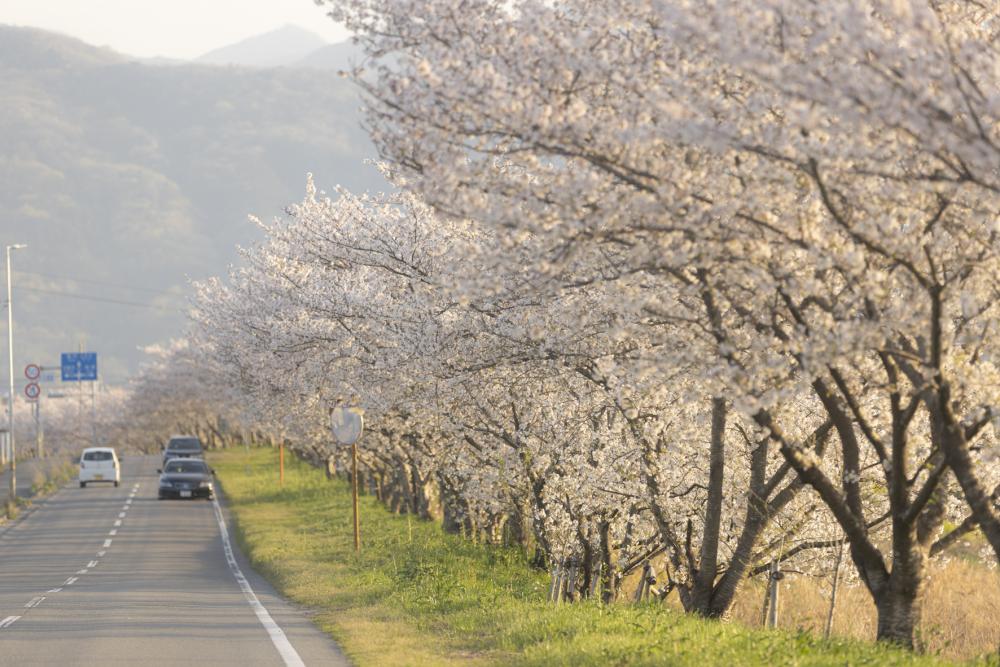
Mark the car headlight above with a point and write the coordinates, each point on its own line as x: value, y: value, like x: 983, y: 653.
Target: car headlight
x: 165, y: 484
x: 206, y: 485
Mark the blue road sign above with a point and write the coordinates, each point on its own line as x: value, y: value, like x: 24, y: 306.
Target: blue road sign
x: 79, y: 366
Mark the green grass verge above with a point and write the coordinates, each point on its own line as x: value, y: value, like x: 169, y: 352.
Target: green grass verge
x: 417, y: 596
x: 53, y: 478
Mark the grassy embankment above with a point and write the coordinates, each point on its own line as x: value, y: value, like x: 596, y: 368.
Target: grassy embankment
x: 48, y: 476
x: 416, y: 596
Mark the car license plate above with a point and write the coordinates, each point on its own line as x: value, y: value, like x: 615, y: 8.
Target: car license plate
x: 98, y: 476
x: 185, y: 494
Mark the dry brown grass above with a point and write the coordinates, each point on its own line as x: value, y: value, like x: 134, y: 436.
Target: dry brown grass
x: 961, y: 613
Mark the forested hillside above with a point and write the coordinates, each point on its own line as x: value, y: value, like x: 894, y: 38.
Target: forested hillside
x: 121, y: 172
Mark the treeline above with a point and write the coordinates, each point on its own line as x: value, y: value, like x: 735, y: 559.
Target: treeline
x: 714, y: 286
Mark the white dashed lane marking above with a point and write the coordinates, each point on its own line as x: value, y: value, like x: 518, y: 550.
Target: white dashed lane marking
x: 38, y: 599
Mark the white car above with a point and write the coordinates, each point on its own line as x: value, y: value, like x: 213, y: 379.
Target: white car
x: 99, y: 464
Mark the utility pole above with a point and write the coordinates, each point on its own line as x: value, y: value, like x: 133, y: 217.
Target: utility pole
x: 79, y: 407
x: 10, y: 361
x: 93, y: 415
x: 39, y: 434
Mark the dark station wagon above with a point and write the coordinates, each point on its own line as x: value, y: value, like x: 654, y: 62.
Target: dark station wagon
x: 183, y: 447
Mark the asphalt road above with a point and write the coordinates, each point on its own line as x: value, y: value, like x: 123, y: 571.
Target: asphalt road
x: 106, y: 575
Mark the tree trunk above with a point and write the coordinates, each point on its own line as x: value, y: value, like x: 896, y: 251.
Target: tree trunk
x: 450, y: 509
x: 753, y: 526
x: 704, y: 580
x: 898, y: 613
x: 519, y: 526
x: 978, y: 498
x: 608, y: 581
x: 898, y: 601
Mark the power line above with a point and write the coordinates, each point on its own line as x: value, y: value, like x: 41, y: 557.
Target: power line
x: 90, y: 281
x: 85, y: 297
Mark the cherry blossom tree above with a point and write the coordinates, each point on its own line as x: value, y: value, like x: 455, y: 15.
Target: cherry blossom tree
x: 524, y: 405
x: 817, y: 181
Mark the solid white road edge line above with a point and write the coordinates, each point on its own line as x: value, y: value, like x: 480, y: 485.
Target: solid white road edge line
x: 277, y: 635
x: 9, y: 621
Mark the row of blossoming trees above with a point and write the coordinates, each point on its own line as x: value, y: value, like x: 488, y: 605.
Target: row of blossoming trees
x: 716, y: 281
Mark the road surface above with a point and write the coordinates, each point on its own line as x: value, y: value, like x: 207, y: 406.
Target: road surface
x: 113, y: 576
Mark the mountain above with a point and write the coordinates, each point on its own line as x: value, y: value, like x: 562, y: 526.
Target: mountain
x: 340, y: 56
x: 35, y: 49
x: 283, y: 46
x: 127, y: 179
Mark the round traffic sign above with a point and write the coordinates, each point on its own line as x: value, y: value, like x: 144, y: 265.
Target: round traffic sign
x: 32, y: 391
x: 32, y: 371
x: 346, y: 424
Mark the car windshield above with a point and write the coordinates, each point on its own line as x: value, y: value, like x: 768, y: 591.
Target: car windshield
x: 98, y: 456
x: 187, y: 466
x: 185, y: 445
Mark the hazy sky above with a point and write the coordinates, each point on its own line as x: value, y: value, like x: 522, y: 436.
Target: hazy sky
x: 172, y: 28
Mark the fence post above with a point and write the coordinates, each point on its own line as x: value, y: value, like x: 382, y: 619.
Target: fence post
x: 595, y: 581
x: 572, y: 574
x: 833, y: 590
x: 643, y: 586
x: 772, y: 606
x: 554, y: 583
x: 650, y: 580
